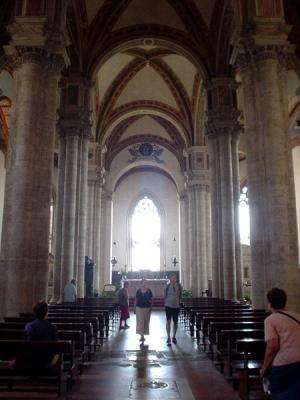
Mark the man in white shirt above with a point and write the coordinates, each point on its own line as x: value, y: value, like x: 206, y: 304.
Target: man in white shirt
x: 70, y: 292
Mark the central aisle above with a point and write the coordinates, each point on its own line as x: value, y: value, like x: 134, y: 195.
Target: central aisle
x: 124, y: 369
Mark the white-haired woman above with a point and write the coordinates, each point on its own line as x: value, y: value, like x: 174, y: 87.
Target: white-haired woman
x: 143, y: 306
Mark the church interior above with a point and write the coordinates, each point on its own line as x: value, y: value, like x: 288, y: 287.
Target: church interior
x: 147, y: 138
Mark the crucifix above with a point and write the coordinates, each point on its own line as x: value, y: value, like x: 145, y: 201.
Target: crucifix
x: 174, y: 261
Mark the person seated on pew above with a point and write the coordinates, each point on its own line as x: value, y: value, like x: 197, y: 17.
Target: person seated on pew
x: 41, y: 329
x: 282, y: 355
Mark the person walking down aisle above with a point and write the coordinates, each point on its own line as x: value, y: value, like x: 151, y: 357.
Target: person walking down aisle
x: 173, y: 292
x: 143, y: 305
x: 123, y: 300
x: 70, y: 292
x: 282, y: 356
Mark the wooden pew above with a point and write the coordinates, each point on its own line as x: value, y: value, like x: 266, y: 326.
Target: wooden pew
x: 85, y: 328
x: 72, y: 362
x: 221, y: 308
x: 103, y: 317
x: 207, y: 331
x: 215, y: 327
x: 15, y: 376
x: 210, y: 324
x: 97, y: 334
x: 107, y: 312
x: 248, y: 369
x: 226, y: 345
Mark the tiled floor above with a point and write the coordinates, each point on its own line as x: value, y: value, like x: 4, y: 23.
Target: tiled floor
x: 125, y: 370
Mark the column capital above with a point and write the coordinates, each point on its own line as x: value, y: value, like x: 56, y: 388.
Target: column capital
x: 107, y: 195
x: 97, y: 175
x: 198, y: 187
x: 222, y: 116
x: 197, y: 158
x: 221, y: 81
x: 74, y: 119
x: 182, y: 195
x: 35, y: 37
x: 195, y: 179
x: 226, y: 121
x: 263, y: 36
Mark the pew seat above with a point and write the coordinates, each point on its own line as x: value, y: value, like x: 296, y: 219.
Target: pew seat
x: 15, y: 375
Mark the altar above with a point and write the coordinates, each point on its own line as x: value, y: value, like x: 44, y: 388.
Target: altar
x: 156, y: 285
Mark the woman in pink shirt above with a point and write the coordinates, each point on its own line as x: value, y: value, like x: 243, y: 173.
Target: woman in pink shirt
x: 282, y: 356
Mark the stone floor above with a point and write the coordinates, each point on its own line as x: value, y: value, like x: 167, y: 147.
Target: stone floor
x: 124, y: 369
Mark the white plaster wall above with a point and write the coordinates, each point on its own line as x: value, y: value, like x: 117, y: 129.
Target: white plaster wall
x: 2, y: 186
x: 120, y: 165
x: 296, y: 165
x: 164, y: 190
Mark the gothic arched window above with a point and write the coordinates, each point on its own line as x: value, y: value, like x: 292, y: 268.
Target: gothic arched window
x: 145, y: 236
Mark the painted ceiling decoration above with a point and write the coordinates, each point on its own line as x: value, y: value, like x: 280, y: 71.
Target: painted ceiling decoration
x: 146, y: 151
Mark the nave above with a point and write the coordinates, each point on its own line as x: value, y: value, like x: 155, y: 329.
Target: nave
x: 123, y: 369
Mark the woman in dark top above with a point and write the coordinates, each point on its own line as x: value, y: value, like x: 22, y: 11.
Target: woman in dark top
x: 143, y: 305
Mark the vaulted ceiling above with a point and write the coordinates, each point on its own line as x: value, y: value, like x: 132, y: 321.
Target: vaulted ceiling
x: 148, y: 60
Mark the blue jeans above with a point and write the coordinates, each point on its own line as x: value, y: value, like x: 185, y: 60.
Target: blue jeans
x: 285, y: 382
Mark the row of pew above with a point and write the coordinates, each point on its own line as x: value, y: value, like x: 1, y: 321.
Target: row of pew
x: 232, y: 334
x: 82, y: 328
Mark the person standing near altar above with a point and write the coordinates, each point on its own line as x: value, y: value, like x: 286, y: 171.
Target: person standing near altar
x: 143, y: 306
x: 123, y: 300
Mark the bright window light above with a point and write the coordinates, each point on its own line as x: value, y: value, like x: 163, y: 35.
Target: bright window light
x: 145, y: 236
x: 244, y: 217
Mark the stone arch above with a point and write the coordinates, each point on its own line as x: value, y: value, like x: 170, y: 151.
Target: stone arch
x: 129, y: 169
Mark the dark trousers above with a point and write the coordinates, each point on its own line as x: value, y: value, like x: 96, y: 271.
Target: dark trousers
x: 285, y: 382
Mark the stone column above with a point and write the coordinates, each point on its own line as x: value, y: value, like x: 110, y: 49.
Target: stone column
x: 236, y: 203
x: 273, y: 236
x: 222, y: 124
x: 99, y: 276
x: 93, y: 240
x: 74, y: 126
x: 261, y: 57
x: 26, y: 217
x: 216, y: 242
x: 69, y: 207
x: 196, y: 186
x: 106, y: 215
x: 90, y: 225
x: 208, y: 235
x: 59, y: 221
x: 184, y: 240
x: 82, y: 214
x: 192, y: 251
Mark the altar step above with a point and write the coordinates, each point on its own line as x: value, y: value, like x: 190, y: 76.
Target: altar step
x: 158, y: 302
